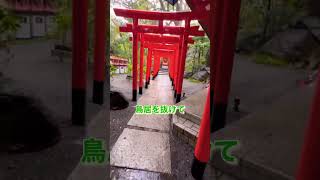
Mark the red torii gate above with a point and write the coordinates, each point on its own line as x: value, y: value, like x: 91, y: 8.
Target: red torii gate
x: 151, y: 41
x: 146, y: 41
x: 135, y: 28
x: 156, y: 46
x: 161, y: 53
x: 166, y: 41
x: 175, y: 76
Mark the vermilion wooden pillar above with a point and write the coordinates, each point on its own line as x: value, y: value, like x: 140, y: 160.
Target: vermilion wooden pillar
x: 171, y: 66
x: 79, y: 60
x: 202, y: 149
x: 149, y: 62
x: 177, y: 65
x: 215, y: 29
x: 308, y: 168
x: 225, y: 62
x: 200, y: 159
x: 134, y: 59
x: 184, y: 49
x: 141, y: 64
x: 99, y: 51
x: 172, y: 60
x: 170, y: 69
x: 222, y: 53
x: 156, y: 66
x: 174, y: 65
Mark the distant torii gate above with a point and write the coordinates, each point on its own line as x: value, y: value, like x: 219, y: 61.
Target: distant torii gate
x: 152, y: 47
x: 162, y: 53
x: 184, y: 33
x: 166, y: 41
x: 175, y: 71
x: 160, y: 42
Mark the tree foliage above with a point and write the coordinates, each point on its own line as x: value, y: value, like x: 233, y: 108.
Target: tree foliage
x: 198, y: 55
x: 8, y: 24
x: 63, y: 20
x: 265, y: 17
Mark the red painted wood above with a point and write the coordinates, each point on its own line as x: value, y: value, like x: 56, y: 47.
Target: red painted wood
x: 203, y: 6
x: 184, y: 49
x: 161, y: 46
x: 155, y: 65
x: 149, y: 62
x: 202, y: 149
x: 193, y: 31
x: 80, y: 44
x: 308, y: 168
x: 164, y: 51
x: 227, y: 51
x: 164, y: 38
x: 159, y: 38
x: 215, y: 41
x: 176, y: 66
x: 100, y: 40
x: 134, y: 57
x: 141, y: 61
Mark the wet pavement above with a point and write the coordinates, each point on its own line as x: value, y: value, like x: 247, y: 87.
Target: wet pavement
x: 256, y: 85
x: 145, y: 147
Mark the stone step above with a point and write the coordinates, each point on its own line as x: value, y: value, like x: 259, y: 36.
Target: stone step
x: 186, y: 126
x: 270, y: 140
x: 142, y: 150
x: 194, y: 106
x: 185, y: 130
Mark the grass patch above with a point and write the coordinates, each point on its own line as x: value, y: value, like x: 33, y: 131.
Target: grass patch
x: 267, y: 59
x: 194, y: 80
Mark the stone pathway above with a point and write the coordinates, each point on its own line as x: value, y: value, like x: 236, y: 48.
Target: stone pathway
x: 145, y: 144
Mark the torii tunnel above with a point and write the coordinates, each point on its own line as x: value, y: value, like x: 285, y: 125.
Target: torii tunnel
x: 164, y: 42
x: 220, y: 19
x: 139, y: 30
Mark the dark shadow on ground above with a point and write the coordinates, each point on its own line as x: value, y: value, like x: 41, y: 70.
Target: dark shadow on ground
x: 25, y: 127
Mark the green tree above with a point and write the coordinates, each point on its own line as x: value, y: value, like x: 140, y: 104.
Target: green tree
x: 63, y: 21
x: 198, y: 54
x: 8, y: 25
x: 113, y: 70
x: 264, y: 18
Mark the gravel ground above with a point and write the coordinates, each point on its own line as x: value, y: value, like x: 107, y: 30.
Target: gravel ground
x: 120, y: 118
x: 33, y: 72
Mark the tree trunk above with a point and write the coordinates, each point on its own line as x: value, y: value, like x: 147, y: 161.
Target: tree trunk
x: 267, y: 21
